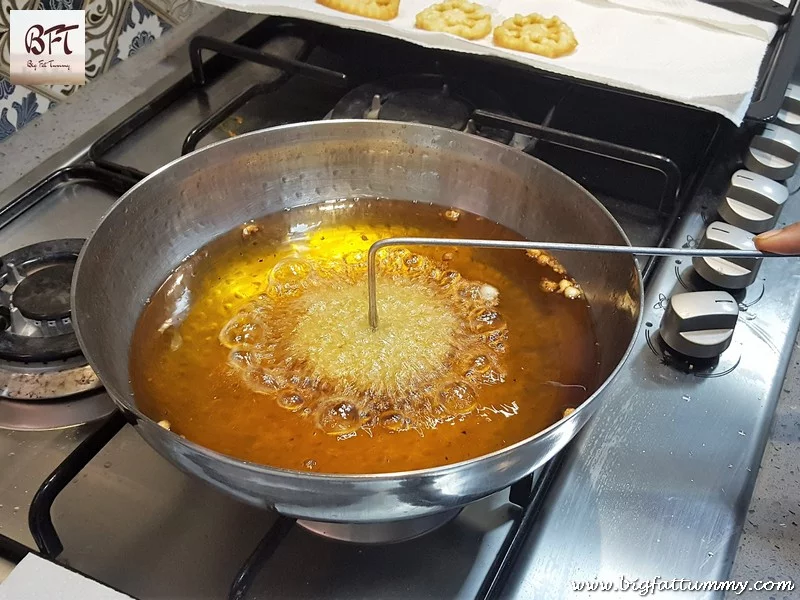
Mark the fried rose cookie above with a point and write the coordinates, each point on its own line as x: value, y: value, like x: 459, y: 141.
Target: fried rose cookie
x: 384, y: 10
x: 537, y: 35
x: 459, y: 17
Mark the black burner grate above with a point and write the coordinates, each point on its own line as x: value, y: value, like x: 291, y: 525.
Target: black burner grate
x: 641, y: 151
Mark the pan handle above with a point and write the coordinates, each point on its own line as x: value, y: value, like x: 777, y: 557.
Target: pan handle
x: 777, y: 73
x: 763, y: 10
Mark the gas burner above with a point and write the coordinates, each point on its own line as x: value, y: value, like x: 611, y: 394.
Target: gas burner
x: 435, y: 107
x: 391, y: 532
x: 429, y: 99
x: 45, y: 415
x: 40, y: 358
x: 43, y: 295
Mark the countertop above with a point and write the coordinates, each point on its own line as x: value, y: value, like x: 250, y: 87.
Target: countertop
x: 53, y: 133
x: 770, y: 545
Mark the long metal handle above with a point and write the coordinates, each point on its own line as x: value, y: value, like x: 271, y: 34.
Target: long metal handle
x: 763, y: 10
x: 777, y: 70
x: 525, y: 245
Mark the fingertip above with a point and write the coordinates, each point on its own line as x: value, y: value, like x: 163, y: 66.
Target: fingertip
x: 767, y: 234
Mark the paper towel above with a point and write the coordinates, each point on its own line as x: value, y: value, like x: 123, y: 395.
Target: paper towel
x: 705, y: 13
x: 670, y: 56
x: 37, y: 579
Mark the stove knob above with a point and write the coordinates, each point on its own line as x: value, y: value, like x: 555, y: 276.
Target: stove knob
x: 729, y: 273
x: 700, y: 324
x: 753, y: 202
x: 774, y: 153
x: 789, y: 115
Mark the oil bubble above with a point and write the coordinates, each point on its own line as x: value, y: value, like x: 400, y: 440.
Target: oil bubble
x: 496, y: 339
x: 241, y: 358
x: 457, y: 397
x: 449, y: 279
x: 243, y: 330
x: 478, y: 364
x: 288, y: 275
x: 291, y: 401
x: 264, y: 381
x: 394, y: 421
x: 485, y: 319
x: 338, y: 417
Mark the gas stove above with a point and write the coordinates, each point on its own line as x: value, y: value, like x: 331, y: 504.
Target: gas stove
x: 658, y: 483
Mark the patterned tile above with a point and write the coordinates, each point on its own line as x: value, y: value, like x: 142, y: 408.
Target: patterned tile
x: 18, y: 107
x: 115, y: 31
x: 6, y: 6
x: 62, y: 4
x: 104, y: 20
x: 171, y: 11
x: 140, y: 27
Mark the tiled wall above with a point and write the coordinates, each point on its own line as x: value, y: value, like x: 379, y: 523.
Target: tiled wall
x: 115, y: 31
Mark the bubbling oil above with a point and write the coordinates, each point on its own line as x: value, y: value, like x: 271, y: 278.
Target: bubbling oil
x: 259, y: 345
x: 306, y: 341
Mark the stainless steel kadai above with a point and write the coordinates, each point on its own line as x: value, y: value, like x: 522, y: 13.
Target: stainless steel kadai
x: 185, y: 204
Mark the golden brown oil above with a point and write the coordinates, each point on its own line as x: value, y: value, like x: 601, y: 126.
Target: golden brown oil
x: 258, y: 346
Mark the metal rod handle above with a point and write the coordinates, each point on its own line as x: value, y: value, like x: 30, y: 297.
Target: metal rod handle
x: 526, y: 245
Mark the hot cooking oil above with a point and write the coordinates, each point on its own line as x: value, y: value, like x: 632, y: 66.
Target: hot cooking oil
x: 259, y: 345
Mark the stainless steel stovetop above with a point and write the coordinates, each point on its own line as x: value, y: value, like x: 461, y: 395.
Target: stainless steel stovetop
x: 656, y: 485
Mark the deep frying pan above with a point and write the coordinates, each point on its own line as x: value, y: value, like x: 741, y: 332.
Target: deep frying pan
x: 187, y: 203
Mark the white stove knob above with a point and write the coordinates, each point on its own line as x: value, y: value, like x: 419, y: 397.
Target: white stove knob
x: 753, y: 202
x: 789, y: 114
x: 729, y: 273
x: 700, y: 324
x: 774, y: 153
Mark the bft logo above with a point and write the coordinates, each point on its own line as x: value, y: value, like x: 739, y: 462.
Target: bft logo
x: 47, y: 47
x: 36, y: 36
